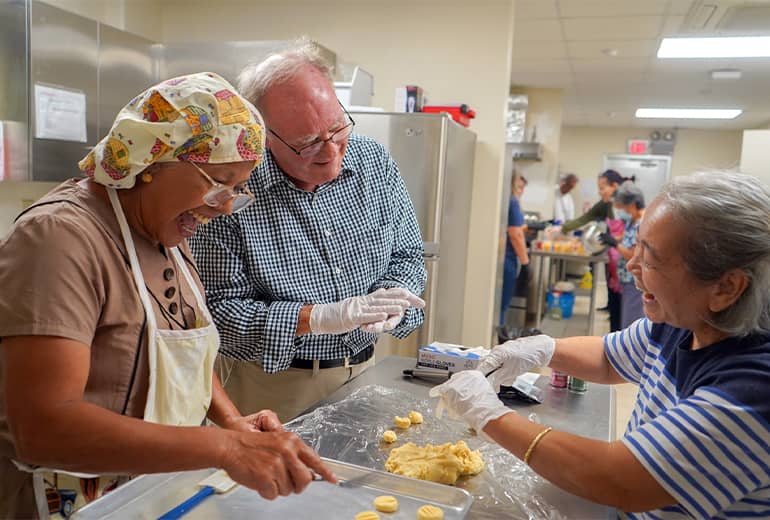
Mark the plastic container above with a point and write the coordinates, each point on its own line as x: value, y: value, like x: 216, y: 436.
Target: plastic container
x: 566, y: 303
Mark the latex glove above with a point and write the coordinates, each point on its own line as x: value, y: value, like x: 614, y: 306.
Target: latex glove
x: 392, y: 321
x: 469, y: 396
x: 516, y: 357
x: 351, y: 313
x: 608, y: 240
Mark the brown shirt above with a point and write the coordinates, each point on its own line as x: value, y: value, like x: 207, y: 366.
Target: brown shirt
x: 64, y: 272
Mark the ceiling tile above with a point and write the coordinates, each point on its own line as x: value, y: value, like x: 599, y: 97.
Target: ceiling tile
x: 537, y: 30
x: 535, y: 9
x: 628, y: 49
x: 601, y: 8
x: 545, y: 49
x: 617, y: 28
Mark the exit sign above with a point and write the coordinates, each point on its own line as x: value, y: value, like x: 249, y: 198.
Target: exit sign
x: 638, y: 146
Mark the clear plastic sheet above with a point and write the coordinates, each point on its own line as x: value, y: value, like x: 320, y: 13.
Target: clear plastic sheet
x: 351, y: 430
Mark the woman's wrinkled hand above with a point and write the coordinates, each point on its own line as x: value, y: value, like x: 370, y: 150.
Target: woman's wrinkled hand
x: 262, y: 421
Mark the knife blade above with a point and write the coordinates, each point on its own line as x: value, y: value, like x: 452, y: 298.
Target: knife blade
x: 357, y: 481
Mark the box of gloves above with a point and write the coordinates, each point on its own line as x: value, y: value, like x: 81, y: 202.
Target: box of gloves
x: 449, y: 357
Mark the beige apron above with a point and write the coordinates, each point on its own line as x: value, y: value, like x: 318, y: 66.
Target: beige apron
x: 181, y: 366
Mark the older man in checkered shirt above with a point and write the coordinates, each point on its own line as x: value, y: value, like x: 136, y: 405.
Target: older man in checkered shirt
x: 329, y: 256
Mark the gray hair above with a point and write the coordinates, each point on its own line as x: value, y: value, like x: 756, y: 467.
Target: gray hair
x: 629, y: 193
x: 728, y: 219
x: 256, y: 78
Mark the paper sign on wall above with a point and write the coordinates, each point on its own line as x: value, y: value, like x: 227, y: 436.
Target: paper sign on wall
x: 60, y: 113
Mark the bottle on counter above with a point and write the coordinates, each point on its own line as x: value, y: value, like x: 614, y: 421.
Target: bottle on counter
x: 577, y: 385
x: 554, y: 311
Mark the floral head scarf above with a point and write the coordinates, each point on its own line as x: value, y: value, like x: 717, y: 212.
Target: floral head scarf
x: 196, y: 118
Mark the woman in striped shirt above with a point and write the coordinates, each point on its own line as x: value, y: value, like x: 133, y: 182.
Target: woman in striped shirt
x: 698, y: 441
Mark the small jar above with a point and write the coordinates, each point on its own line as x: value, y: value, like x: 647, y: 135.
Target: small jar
x: 577, y: 385
x: 558, y: 379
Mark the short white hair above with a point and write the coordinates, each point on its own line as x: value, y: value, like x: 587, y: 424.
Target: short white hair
x: 256, y: 78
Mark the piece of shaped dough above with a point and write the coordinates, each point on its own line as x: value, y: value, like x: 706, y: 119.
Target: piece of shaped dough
x: 429, y: 512
x: 389, y: 436
x: 444, y: 463
x: 368, y: 515
x: 402, y: 422
x: 386, y: 504
x: 415, y: 417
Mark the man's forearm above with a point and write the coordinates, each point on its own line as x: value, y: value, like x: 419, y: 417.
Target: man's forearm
x: 303, y: 320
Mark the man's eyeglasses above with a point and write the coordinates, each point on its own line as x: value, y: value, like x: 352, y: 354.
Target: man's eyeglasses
x: 219, y: 194
x: 315, y: 147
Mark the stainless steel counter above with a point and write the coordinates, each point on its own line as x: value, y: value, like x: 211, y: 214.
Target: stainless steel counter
x: 591, y: 415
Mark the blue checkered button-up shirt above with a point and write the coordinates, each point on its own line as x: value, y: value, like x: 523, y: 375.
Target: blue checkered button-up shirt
x: 351, y: 236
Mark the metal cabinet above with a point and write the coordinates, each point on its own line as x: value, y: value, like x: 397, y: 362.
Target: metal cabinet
x: 14, y: 85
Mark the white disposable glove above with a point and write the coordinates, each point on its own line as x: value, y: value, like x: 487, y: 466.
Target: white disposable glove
x: 351, y: 313
x: 469, y: 396
x: 392, y: 321
x: 515, y: 357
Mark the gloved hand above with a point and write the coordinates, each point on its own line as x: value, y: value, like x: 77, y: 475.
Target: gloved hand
x: 469, y: 396
x: 608, y: 240
x: 516, y: 357
x: 392, y: 321
x: 351, y: 313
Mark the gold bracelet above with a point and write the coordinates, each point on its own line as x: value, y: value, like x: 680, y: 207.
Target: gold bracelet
x: 534, y: 443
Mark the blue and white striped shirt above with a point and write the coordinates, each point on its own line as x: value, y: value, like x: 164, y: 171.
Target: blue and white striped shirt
x: 701, y: 424
x: 351, y: 236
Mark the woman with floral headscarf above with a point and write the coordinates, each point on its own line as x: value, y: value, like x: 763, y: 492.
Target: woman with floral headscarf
x: 107, y: 346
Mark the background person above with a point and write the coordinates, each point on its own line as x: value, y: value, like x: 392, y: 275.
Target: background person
x: 696, y: 443
x: 564, y: 205
x: 515, y: 245
x: 333, y: 231
x: 107, y: 346
x: 629, y: 208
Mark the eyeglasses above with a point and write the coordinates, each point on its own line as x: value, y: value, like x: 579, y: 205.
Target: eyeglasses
x: 315, y: 147
x: 219, y: 194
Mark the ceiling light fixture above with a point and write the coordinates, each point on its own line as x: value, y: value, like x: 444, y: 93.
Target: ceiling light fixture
x: 688, y: 113
x: 725, y: 74
x: 729, y: 47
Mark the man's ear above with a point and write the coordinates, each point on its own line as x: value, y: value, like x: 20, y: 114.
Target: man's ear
x: 728, y: 289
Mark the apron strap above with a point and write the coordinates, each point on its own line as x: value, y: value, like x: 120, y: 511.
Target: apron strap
x: 182, y: 266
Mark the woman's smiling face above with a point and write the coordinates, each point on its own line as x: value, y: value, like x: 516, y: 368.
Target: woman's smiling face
x: 670, y: 293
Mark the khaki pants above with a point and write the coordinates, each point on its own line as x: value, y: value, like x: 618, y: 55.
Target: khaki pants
x: 287, y: 393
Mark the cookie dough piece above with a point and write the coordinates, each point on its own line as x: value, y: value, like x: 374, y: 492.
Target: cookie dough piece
x: 415, y: 417
x: 389, y: 436
x: 402, y: 422
x: 386, y: 504
x: 370, y: 515
x: 430, y: 513
x: 443, y: 464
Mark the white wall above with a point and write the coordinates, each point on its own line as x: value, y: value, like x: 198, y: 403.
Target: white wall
x: 755, y: 154
x: 458, y: 51
x: 583, y: 149
x: 15, y: 196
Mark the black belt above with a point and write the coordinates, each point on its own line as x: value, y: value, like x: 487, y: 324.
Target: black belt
x: 363, y: 355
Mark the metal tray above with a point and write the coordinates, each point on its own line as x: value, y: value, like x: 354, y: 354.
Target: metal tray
x: 149, y: 496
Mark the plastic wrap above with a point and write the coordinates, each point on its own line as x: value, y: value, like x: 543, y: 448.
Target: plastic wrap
x: 351, y: 430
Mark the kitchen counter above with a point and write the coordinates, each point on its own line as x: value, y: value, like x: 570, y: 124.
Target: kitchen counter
x: 591, y: 415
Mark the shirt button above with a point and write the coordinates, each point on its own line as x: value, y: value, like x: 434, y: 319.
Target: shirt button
x: 328, y: 233
x: 337, y: 270
x: 168, y: 274
x: 170, y: 292
x: 173, y: 308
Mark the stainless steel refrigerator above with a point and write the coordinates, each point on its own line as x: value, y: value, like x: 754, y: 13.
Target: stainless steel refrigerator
x: 435, y: 156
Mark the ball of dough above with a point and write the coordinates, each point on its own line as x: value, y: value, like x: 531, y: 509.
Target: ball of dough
x: 415, y: 417
x: 429, y: 513
x: 389, y: 436
x: 386, y: 504
x: 369, y: 515
x: 402, y: 422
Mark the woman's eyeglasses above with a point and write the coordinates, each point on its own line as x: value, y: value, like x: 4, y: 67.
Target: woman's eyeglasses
x: 219, y: 194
